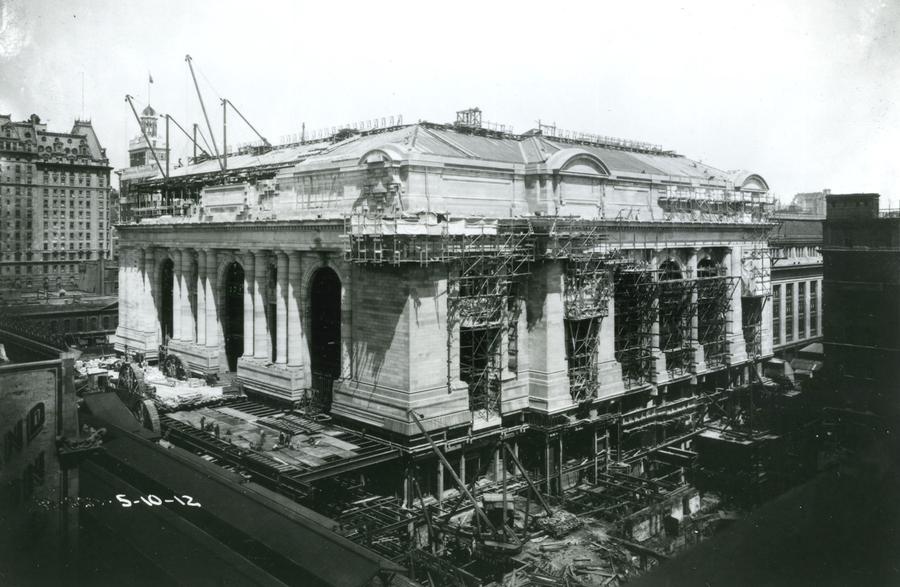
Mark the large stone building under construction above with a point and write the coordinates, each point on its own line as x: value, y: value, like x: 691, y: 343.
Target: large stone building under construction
x: 468, y: 280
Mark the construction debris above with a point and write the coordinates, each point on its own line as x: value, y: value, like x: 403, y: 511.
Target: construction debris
x: 559, y: 524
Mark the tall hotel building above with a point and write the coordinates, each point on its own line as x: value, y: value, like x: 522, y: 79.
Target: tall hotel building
x: 54, y: 196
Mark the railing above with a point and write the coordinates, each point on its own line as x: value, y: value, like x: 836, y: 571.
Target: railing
x: 889, y: 213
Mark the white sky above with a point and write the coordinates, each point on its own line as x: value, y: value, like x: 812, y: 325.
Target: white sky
x: 804, y: 93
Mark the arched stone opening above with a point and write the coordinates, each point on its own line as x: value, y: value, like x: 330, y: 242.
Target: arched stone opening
x: 166, y: 286
x: 713, y: 296
x: 325, y: 329
x: 674, y: 316
x: 232, y: 313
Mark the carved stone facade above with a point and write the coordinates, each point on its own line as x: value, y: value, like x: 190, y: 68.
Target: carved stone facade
x: 269, y: 261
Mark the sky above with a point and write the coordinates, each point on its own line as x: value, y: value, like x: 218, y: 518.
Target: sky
x: 806, y: 93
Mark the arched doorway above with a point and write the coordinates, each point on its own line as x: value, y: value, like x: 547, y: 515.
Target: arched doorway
x: 325, y: 324
x: 166, y: 283
x: 233, y: 313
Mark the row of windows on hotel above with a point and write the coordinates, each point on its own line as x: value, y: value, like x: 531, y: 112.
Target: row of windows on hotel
x: 47, y: 177
x: 783, y: 331
x: 54, y: 256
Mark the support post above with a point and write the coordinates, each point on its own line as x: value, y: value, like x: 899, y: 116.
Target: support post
x: 559, y: 467
x: 224, y: 134
x: 547, y: 464
x: 462, y: 486
x: 531, y: 485
x: 440, y: 484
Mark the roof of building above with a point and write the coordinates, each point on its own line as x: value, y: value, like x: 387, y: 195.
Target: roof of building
x: 79, y: 146
x: 148, y: 111
x: 425, y: 140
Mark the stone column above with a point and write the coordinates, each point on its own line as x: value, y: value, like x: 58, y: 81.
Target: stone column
x: 188, y: 329
x: 213, y: 329
x: 145, y: 277
x: 281, y: 292
x: 295, y: 341
x: 178, y: 325
x: 548, y: 376
x: 249, y: 263
x: 260, y: 327
x: 201, y: 297
x: 659, y: 357
x: 609, y: 369
x: 734, y: 325
x: 698, y: 355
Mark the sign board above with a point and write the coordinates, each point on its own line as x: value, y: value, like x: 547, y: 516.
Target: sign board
x: 37, y: 405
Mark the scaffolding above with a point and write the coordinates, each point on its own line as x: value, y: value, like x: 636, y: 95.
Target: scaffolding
x: 635, y: 298
x: 676, y: 288
x: 587, y: 289
x: 665, y: 310
x: 756, y: 263
x: 486, y: 261
x: 715, y: 289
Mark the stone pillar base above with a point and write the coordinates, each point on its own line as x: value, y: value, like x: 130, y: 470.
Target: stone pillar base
x: 388, y: 408
x: 277, y: 381
x: 199, y: 359
x: 737, y: 349
x: 660, y: 374
x: 131, y: 340
x: 514, y: 395
x: 549, y: 392
x: 698, y: 360
x: 611, y: 382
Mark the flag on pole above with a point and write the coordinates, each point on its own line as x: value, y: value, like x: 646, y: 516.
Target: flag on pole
x: 150, y: 75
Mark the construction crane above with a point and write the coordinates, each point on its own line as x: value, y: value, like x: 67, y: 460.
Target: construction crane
x: 130, y: 101
x: 223, y: 158
x: 190, y: 138
x: 212, y: 135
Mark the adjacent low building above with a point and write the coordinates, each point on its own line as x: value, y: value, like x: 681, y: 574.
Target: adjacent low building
x: 797, y: 300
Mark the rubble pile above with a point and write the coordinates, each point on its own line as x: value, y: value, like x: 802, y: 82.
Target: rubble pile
x: 560, y: 523
x: 169, y: 393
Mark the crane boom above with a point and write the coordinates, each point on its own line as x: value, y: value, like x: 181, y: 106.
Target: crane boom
x: 190, y: 138
x: 253, y: 128
x: 128, y: 99
x: 203, y: 107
